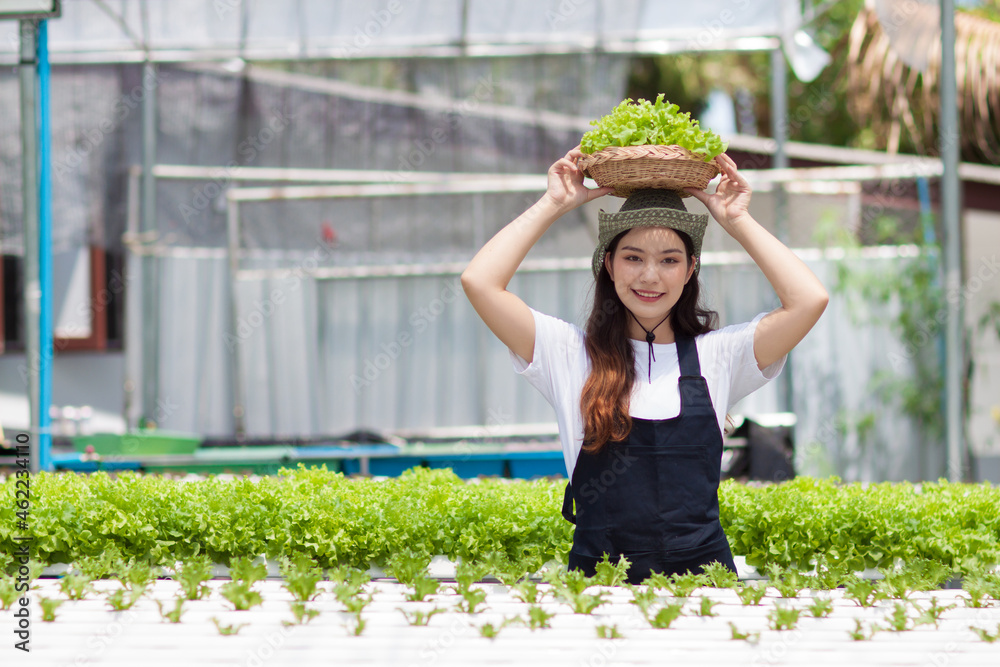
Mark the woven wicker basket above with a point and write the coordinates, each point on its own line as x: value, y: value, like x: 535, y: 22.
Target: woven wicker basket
x: 631, y: 168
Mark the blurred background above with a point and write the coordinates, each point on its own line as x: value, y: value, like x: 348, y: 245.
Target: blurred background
x: 260, y: 209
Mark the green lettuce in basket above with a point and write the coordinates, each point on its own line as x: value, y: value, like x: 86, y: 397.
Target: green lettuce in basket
x: 651, y: 123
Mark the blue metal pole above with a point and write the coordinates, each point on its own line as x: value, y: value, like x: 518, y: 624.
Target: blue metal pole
x: 44, y: 252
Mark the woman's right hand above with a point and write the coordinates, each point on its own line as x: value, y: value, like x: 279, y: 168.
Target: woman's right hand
x: 566, y: 189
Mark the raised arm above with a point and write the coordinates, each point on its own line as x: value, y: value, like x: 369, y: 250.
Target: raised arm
x: 803, y: 297
x: 485, y: 279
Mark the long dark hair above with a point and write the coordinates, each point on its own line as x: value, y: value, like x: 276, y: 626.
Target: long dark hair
x: 604, y: 401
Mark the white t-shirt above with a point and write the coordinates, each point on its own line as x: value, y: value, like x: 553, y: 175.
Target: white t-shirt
x: 560, y: 368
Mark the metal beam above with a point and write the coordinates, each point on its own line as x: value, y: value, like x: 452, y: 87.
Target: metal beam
x: 29, y: 202
x: 951, y: 208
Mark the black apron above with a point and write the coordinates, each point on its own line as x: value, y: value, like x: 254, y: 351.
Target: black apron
x: 653, y: 497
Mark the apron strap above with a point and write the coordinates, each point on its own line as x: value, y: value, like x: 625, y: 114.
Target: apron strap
x: 687, y: 357
x: 567, y: 508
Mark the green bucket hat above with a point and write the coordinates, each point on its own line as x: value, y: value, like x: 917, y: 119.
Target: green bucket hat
x: 650, y: 208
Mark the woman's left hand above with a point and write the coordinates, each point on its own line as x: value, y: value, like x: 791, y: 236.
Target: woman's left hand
x: 730, y: 202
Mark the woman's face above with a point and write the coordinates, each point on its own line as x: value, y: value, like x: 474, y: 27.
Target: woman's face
x: 649, y: 268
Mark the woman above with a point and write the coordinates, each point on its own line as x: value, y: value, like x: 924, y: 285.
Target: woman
x: 641, y: 394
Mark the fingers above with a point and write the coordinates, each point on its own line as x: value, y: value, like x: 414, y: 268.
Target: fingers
x: 730, y: 169
x: 594, y: 193
x: 700, y: 195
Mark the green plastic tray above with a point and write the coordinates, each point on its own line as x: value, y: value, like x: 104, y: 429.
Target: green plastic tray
x: 139, y: 443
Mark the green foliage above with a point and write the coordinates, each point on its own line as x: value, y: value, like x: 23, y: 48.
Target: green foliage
x: 982, y: 589
x: 246, y: 569
x: 420, y: 617
x: 302, y: 576
x: 657, y: 581
x: 173, y: 615
x: 651, y: 123
x: 828, y: 577
x: 720, y: 576
x: 348, y: 583
x: 49, y: 606
x: 821, y: 607
x: 817, y: 111
x: 789, y: 582
x: 570, y: 587
x: 862, y: 633
x: 527, y: 591
x: 906, y: 296
x: 608, y: 632
x: 192, y: 575
x: 489, y: 631
x: 986, y: 635
x: 866, y: 593
x: 471, y: 599
x: 407, y: 565
x: 356, y: 604
x: 666, y: 615
x: 920, y: 575
x: 509, y: 570
x: 705, y: 608
x: 783, y: 618
x: 682, y: 585
x: 851, y: 527
x: 644, y: 598
x: 422, y: 587
x: 899, y: 619
x: 586, y: 603
x: 139, y: 573
x: 538, y: 618
x: 302, y: 613
x: 932, y: 614
x: 751, y: 594
x: 241, y: 595
x: 124, y: 598
x: 468, y: 573
x: 244, y: 573
x: 751, y: 637
x: 107, y: 563
x: 106, y: 525
x: 8, y: 592
x: 227, y: 629
x: 611, y: 574
x: 328, y: 517
x: 75, y: 585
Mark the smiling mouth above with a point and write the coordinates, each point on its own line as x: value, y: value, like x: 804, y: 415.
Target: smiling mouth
x: 647, y: 296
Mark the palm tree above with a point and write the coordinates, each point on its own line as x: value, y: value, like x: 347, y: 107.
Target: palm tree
x: 893, y: 66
